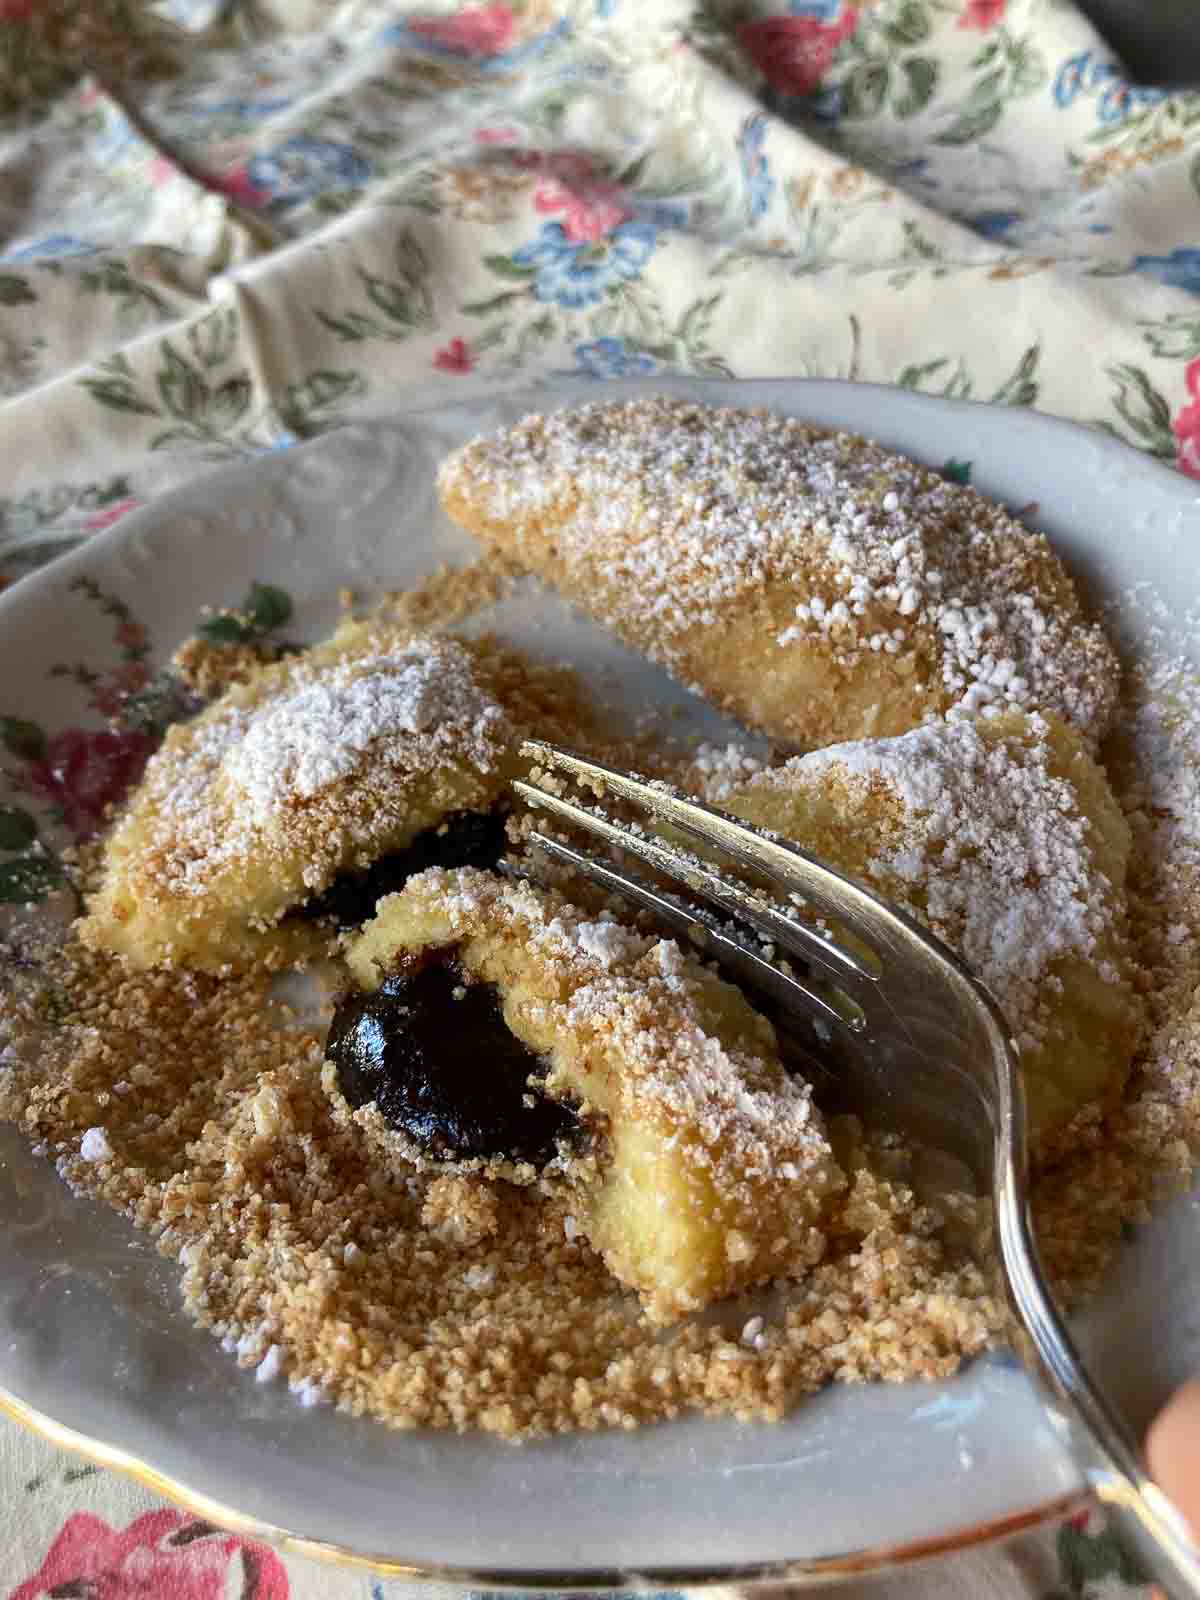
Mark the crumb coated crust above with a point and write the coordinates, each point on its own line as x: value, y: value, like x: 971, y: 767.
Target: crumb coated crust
x: 813, y: 583
x: 423, y: 1301
x: 194, y: 1105
x: 1002, y: 836
x: 314, y: 765
x: 719, y: 1167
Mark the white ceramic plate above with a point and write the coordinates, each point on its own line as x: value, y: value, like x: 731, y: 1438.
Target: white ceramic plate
x: 93, y: 1345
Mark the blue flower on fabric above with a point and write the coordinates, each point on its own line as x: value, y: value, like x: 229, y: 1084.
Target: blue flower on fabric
x: 575, y: 275
x: 116, y: 137
x: 1082, y: 74
x: 1120, y: 98
x: 1114, y: 103
x: 826, y: 105
x: 52, y: 247
x: 822, y: 10
x: 1179, y: 270
x: 284, y: 440
x: 756, y: 169
x: 611, y: 358
x: 195, y: 14
x: 304, y: 167
x: 994, y: 224
x: 1069, y: 79
x: 247, y: 110
x: 916, y: 171
x: 662, y: 213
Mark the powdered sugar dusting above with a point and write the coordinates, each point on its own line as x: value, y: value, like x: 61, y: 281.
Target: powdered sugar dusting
x: 704, y: 1130
x: 306, y: 741
x: 94, y: 1146
x: 317, y: 764
x: 670, y: 514
x: 1160, y: 789
x: 605, y: 942
x: 640, y: 995
x: 991, y: 848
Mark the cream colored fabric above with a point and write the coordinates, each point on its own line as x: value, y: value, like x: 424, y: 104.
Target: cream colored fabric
x: 229, y: 224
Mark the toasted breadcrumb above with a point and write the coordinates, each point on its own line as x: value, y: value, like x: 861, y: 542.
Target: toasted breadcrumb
x: 193, y: 1104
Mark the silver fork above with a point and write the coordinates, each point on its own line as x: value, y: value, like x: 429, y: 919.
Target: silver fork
x: 897, y: 1026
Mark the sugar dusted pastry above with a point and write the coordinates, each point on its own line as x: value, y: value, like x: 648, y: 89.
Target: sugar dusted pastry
x: 812, y: 583
x: 315, y: 768
x: 715, y: 1169
x: 1002, y: 836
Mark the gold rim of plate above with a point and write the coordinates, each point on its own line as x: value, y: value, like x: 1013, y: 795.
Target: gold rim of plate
x: 821, y: 1570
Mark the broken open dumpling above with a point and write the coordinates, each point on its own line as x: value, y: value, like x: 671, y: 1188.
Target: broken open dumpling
x: 710, y: 1168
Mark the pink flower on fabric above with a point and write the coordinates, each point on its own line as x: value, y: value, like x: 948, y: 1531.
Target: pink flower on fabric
x: 455, y: 357
x: 591, y: 207
x: 236, y: 184
x: 497, y: 135
x: 982, y: 14
x: 795, y: 53
x: 1186, y: 425
x: 473, y: 31
x: 163, y: 1555
x: 82, y: 771
x: 162, y: 170
x: 107, y: 515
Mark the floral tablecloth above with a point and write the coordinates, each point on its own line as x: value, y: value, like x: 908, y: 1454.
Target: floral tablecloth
x: 226, y: 225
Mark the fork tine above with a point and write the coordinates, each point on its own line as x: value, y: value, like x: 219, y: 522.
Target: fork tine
x: 785, y: 864
x: 732, y: 897
x: 783, y: 987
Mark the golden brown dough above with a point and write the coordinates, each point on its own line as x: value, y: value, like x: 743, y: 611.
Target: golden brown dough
x: 718, y: 1168
x: 1003, y: 837
x: 812, y: 583
x: 318, y: 764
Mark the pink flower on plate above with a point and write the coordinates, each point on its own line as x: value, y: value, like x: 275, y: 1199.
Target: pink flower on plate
x: 982, y: 14
x: 107, y: 515
x: 163, y: 1555
x: 455, y: 357
x: 592, y: 207
x: 497, y: 135
x: 132, y: 676
x: 131, y: 636
x: 1186, y: 426
x: 473, y: 31
x: 795, y: 53
x: 84, y: 771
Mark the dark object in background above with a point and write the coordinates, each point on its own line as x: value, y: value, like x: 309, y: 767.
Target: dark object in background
x: 1158, y: 40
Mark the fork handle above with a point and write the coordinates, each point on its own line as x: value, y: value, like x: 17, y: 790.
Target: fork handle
x: 1151, y: 1529
x: 1144, y: 1519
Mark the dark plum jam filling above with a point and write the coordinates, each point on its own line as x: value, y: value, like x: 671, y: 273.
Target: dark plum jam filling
x: 436, y: 1056
x: 464, y: 839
